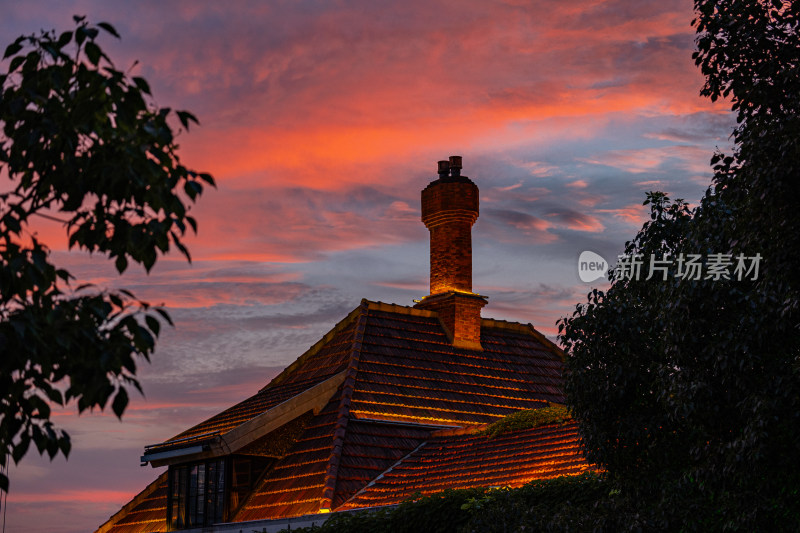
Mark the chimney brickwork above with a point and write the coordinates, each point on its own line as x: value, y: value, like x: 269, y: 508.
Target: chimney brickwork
x: 449, y: 209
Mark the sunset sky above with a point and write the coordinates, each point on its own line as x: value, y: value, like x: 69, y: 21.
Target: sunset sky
x: 321, y: 122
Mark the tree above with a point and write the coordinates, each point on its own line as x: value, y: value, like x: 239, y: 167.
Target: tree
x: 84, y: 144
x: 688, y: 391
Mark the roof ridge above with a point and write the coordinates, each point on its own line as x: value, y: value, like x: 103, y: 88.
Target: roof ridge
x: 520, y: 327
x: 547, y: 343
x: 506, y: 324
x: 343, y: 415
x: 397, y: 308
x: 315, y: 348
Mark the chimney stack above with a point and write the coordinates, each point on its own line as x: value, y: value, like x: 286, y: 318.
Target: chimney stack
x: 449, y: 209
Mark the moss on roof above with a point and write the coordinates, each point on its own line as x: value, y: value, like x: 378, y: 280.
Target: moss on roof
x: 554, y: 413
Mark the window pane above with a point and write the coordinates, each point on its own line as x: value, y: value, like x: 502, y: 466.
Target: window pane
x: 211, y: 492
x: 220, y: 497
x: 182, y: 475
x: 191, y: 518
x: 221, y: 478
x: 197, y: 494
x: 201, y: 493
x: 171, y: 497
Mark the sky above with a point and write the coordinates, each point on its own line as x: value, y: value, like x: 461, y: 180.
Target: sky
x: 321, y: 122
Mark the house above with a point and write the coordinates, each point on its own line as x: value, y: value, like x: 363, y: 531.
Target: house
x: 384, y: 406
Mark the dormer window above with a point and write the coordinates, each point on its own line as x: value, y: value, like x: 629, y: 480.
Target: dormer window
x: 203, y: 493
x: 197, y: 494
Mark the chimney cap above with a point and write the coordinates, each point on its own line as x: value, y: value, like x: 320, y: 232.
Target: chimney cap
x: 450, y: 171
x: 455, y: 166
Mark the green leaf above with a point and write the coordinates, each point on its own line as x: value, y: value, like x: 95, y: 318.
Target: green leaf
x: 65, y: 444
x: 12, y: 224
x: 93, y: 52
x: 153, y: 324
x: 80, y: 35
x: 64, y: 39
x: 180, y: 246
x: 12, y: 49
x: 120, y: 402
x: 164, y: 315
x: 185, y: 117
x: 55, y: 396
x: 20, y: 449
x: 193, y: 189
x: 109, y: 28
x: 15, y: 63
x: 141, y: 84
x: 121, y: 263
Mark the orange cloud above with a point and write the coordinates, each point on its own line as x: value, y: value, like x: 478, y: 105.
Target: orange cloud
x: 72, y: 496
x: 633, y: 214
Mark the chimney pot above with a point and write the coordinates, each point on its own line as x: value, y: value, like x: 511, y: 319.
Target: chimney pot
x: 455, y: 166
x: 444, y: 169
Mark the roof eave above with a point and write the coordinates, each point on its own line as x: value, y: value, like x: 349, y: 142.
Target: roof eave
x: 312, y: 399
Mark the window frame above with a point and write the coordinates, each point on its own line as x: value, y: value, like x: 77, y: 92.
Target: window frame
x: 198, y: 482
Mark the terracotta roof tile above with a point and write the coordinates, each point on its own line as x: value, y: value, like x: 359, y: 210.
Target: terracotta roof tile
x: 149, y: 514
x: 408, y: 371
x: 294, y: 485
x: 474, y: 461
x: 369, y: 449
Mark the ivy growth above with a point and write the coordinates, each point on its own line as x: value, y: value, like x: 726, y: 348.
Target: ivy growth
x: 554, y: 413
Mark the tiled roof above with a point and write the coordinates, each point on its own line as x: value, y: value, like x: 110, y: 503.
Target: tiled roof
x: 401, y: 379
x: 369, y: 449
x: 294, y: 486
x: 403, y: 376
x: 409, y: 371
x: 466, y: 461
x: 146, y: 513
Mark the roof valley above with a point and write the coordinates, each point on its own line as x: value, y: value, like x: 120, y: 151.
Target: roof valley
x: 385, y: 472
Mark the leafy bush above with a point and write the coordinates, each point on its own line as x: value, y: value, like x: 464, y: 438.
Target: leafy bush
x: 560, y: 504
x: 687, y: 388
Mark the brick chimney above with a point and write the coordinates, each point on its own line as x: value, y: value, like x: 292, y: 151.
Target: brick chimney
x: 449, y: 209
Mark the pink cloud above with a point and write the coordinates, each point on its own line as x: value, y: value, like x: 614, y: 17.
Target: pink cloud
x: 633, y: 214
x: 648, y: 160
x: 578, y: 184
